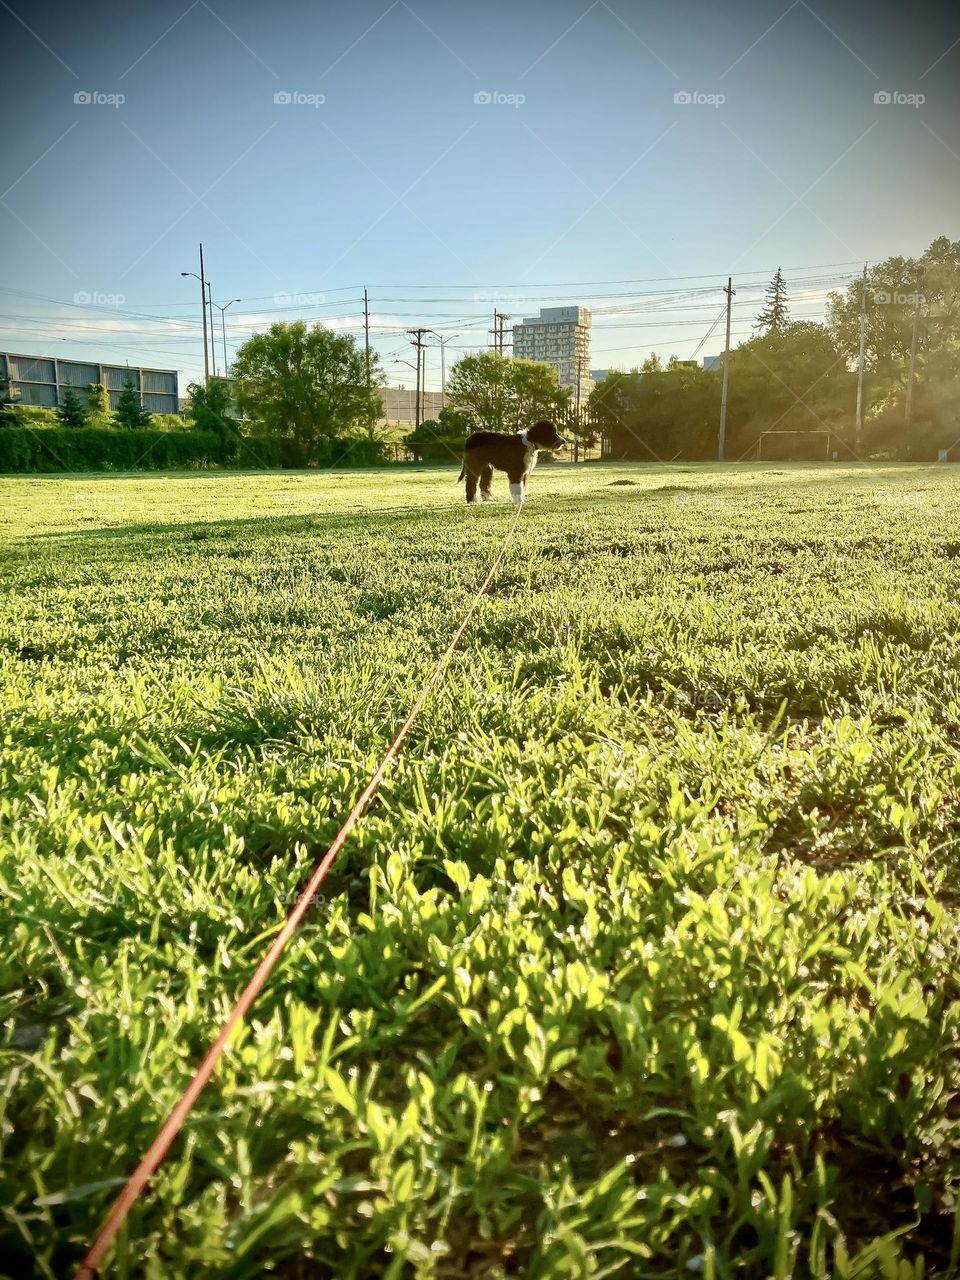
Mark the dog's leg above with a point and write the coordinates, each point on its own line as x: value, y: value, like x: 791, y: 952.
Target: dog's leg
x: 471, y: 487
x: 486, y: 481
x: 516, y: 487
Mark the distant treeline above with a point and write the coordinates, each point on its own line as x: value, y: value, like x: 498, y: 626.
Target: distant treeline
x: 799, y: 379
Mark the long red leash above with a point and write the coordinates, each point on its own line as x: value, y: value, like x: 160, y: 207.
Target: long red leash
x: 175, y: 1120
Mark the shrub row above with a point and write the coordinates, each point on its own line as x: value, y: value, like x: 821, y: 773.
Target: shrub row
x: 53, y: 449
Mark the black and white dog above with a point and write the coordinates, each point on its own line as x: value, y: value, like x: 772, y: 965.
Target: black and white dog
x: 489, y: 451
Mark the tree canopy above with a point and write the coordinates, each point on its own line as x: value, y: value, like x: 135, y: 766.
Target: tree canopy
x: 309, y: 383
x: 503, y: 393
x: 210, y: 407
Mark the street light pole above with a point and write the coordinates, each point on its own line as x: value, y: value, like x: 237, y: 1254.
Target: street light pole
x: 409, y: 366
x: 443, y: 366
x: 213, y: 332
x: 223, y: 328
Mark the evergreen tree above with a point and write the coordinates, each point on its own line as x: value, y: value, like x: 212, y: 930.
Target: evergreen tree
x: 98, y: 406
x: 71, y: 412
x: 9, y: 413
x: 773, y: 317
x: 130, y: 413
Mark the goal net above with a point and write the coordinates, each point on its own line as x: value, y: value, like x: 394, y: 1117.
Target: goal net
x: 797, y: 446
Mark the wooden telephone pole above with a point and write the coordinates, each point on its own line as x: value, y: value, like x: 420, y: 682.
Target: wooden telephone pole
x: 729, y: 291
x: 418, y: 342
x: 863, y: 339
x: 908, y: 403
x: 203, y: 308
x: 366, y: 334
x: 498, y: 331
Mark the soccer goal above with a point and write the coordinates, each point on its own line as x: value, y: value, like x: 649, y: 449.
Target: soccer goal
x: 797, y: 446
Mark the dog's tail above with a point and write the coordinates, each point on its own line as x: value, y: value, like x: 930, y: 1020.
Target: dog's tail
x: 463, y: 472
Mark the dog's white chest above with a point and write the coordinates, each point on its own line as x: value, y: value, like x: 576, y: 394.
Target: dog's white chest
x: 529, y: 458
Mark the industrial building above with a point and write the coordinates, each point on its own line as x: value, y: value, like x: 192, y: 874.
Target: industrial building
x: 43, y: 381
x: 559, y: 336
x: 400, y: 405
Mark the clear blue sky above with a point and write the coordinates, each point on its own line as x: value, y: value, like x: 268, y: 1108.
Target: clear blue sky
x: 441, y: 205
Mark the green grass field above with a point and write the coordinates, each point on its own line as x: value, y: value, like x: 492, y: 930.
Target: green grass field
x: 643, y: 964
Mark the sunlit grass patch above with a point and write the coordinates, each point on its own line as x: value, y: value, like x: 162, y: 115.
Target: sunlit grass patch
x: 644, y: 960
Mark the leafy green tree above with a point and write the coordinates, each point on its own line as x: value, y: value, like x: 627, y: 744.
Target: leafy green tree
x: 210, y: 407
x: 773, y: 318
x: 307, y: 383
x: 98, y: 406
x: 130, y: 413
x: 502, y: 393
x: 792, y: 379
x: 658, y: 414
x: 892, y: 287
x: 71, y: 411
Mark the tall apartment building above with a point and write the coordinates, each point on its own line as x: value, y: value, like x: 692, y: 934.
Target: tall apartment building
x: 559, y: 336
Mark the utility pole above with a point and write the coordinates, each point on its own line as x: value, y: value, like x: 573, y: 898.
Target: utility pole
x: 418, y: 342
x: 203, y: 308
x: 499, y: 316
x: 576, y: 434
x: 729, y: 291
x: 366, y: 333
x: 863, y: 339
x: 908, y: 403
